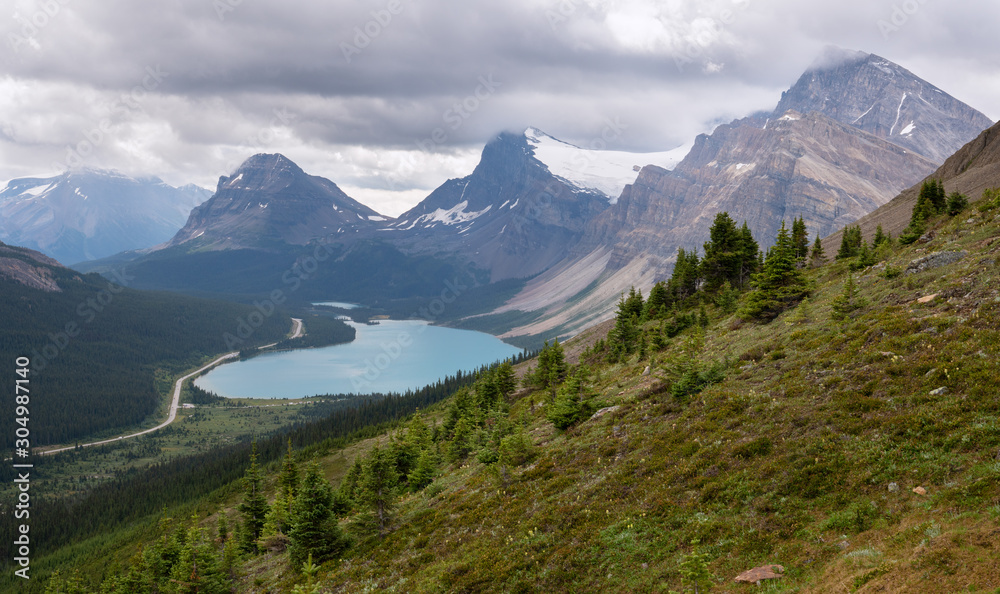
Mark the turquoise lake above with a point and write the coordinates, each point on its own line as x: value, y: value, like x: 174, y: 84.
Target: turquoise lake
x: 393, y: 356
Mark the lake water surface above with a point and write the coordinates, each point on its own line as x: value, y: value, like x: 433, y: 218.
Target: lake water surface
x: 393, y: 356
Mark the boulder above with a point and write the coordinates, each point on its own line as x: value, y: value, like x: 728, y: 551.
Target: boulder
x: 759, y: 574
x: 935, y: 260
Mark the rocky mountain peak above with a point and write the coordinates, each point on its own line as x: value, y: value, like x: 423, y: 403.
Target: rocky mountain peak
x: 876, y: 95
x: 270, y: 199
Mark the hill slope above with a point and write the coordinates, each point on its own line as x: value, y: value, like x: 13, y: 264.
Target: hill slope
x: 96, y: 347
x: 858, y: 453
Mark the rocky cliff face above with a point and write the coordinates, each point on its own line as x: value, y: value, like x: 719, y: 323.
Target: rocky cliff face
x: 831, y: 152
x: 873, y: 94
x: 28, y: 267
x: 807, y: 166
x: 268, y: 201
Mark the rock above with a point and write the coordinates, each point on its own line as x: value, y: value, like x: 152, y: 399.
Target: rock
x: 927, y: 298
x: 893, y: 488
x: 935, y: 260
x: 927, y: 237
x: 940, y: 391
x: 645, y: 371
x: 931, y: 372
x: 920, y: 490
x: 603, y: 411
x: 759, y: 574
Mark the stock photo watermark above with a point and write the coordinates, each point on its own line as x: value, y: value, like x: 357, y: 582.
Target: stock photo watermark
x: 369, y: 32
x: 266, y: 135
x: 394, y: 349
x: 99, y: 132
x: 696, y: 49
x: 899, y: 17
x: 32, y: 25
x: 293, y: 278
x: 456, y: 115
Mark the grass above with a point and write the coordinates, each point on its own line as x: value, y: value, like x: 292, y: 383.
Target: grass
x: 787, y: 460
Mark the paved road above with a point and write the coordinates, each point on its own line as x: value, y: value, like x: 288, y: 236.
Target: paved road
x: 174, y: 403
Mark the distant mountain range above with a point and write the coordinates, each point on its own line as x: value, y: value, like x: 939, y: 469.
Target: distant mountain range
x: 90, y: 213
x: 567, y: 228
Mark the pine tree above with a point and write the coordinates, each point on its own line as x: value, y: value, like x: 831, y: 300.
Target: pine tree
x: 850, y: 243
x: 723, y: 253
x: 750, y: 257
x: 572, y: 403
x: 846, y: 302
x: 956, y: 203
x: 658, y: 301
x: 800, y: 239
x: 377, y: 488
x: 424, y: 472
x: 505, y: 379
x: 817, y: 256
x: 686, y: 275
x: 880, y: 238
x: 288, y: 480
x: 779, y: 285
x: 315, y: 530
x: 254, y: 504
x: 197, y: 568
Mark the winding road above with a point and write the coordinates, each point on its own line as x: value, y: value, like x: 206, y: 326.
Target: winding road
x: 175, y: 402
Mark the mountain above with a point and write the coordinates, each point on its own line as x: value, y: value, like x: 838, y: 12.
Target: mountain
x: 524, y: 207
x: 818, y: 155
x: 971, y: 170
x: 871, y: 93
x: 269, y: 200
x: 89, y: 213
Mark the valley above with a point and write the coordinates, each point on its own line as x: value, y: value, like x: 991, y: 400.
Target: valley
x: 575, y: 368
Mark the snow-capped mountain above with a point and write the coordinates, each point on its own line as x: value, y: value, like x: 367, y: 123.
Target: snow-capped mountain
x: 90, y: 213
x: 847, y: 137
x: 607, y: 171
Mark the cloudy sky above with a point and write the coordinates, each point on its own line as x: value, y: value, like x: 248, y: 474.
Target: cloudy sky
x: 389, y: 98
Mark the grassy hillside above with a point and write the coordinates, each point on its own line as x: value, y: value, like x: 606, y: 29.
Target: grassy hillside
x: 858, y: 448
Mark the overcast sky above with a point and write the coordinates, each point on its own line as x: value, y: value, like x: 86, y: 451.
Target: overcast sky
x: 389, y: 98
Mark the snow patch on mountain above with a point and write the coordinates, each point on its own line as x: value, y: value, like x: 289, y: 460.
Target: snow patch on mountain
x: 606, y: 171
x: 453, y: 216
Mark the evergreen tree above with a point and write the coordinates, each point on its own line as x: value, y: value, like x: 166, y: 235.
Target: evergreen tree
x: 723, y: 253
x: 686, y: 275
x: 288, y: 480
x: 880, y: 238
x: 315, y: 530
x: 918, y: 223
x: 505, y: 380
x: 850, y: 243
x: 800, y: 239
x: 779, y: 285
x: 658, y: 301
x: 846, y: 302
x: 197, y: 568
x: 937, y: 196
x: 956, y: 203
x: 750, y: 257
x: 254, y: 504
x: 624, y: 337
x: 572, y: 403
x: 817, y: 256
x: 424, y: 472
x: 377, y: 488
